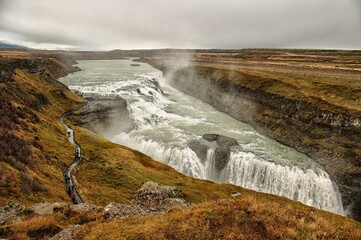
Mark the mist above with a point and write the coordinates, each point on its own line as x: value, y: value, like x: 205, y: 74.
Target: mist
x: 111, y: 24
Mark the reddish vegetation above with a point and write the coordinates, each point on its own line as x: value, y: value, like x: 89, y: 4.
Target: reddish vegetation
x: 23, y: 100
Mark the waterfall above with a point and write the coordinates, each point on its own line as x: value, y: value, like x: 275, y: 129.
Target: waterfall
x: 314, y: 188
x: 183, y: 160
x: 311, y: 187
x: 167, y: 120
x: 210, y: 166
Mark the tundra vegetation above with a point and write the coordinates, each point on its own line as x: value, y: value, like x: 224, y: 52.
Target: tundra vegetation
x: 35, y: 152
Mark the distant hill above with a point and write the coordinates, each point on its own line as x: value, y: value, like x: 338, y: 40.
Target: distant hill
x: 6, y: 45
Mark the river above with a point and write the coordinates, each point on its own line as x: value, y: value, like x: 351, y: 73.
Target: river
x: 167, y: 120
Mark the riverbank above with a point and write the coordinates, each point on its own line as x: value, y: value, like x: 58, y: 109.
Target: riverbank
x: 308, y: 100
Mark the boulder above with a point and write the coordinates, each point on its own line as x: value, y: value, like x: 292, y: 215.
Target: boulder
x: 10, y: 212
x: 48, y: 208
x: 223, y: 151
x: 115, y: 211
x: 84, y: 207
x: 222, y: 141
x: 199, y: 149
x: 210, y: 137
x: 221, y: 155
x: 152, y: 198
x: 158, y: 198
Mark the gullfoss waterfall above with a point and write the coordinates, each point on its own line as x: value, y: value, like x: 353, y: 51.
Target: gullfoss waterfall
x: 168, y: 122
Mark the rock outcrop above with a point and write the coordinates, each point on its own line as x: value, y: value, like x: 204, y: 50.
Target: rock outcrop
x: 48, y: 208
x: 10, y: 212
x: 200, y: 149
x: 152, y: 198
x: 158, y: 198
x: 84, y: 207
x: 222, y: 149
x: 102, y: 115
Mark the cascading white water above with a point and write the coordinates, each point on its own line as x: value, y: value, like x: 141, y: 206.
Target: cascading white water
x: 165, y: 123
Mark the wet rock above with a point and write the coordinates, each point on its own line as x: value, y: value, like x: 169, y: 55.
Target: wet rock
x: 223, y: 151
x: 221, y: 155
x: 66, y: 234
x: 221, y: 140
x: 10, y: 212
x: 48, y: 208
x: 102, y: 115
x: 210, y: 137
x: 224, y: 141
x: 199, y: 149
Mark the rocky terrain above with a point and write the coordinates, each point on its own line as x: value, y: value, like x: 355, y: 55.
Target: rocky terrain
x: 309, y: 100
x: 58, y: 220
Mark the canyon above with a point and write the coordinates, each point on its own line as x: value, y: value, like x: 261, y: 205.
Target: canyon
x: 309, y: 100
x: 33, y: 100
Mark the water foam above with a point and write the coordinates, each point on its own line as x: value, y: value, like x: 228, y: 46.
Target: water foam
x: 166, y: 122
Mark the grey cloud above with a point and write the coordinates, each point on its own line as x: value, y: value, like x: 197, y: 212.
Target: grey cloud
x: 128, y: 24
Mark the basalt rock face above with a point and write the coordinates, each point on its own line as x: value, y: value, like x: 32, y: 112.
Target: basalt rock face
x: 222, y: 141
x: 106, y: 115
x: 200, y: 149
x: 222, y: 149
x: 328, y: 134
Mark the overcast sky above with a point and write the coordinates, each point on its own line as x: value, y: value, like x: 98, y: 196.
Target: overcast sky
x: 134, y: 24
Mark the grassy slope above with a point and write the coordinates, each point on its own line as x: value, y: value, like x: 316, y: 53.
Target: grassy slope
x: 247, y: 217
x: 111, y: 172
x: 40, y: 179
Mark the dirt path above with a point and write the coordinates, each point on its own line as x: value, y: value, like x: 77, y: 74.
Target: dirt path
x: 70, y: 184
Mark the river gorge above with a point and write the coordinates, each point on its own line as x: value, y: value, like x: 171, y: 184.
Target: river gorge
x: 184, y: 132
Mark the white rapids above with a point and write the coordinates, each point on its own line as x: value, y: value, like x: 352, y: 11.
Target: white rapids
x: 166, y: 120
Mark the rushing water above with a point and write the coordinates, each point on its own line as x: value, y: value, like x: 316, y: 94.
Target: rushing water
x: 166, y: 120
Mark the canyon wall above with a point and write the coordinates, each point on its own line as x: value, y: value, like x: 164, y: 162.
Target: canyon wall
x: 327, y: 133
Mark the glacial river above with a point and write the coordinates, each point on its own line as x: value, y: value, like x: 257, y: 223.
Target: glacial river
x: 167, y: 120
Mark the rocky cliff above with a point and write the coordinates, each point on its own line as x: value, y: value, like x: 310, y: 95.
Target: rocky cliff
x: 285, y: 109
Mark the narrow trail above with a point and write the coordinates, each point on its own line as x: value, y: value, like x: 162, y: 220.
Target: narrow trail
x: 70, y: 184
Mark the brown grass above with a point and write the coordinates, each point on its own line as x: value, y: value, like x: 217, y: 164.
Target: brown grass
x: 248, y: 217
x: 32, y: 158
x: 110, y: 172
x: 34, y: 228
